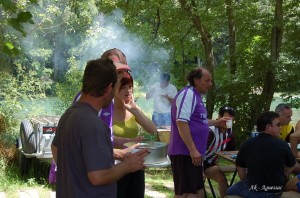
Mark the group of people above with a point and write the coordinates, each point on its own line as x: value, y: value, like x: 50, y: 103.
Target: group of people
x: 93, y: 162
x: 263, y: 163
x: 107, y: 93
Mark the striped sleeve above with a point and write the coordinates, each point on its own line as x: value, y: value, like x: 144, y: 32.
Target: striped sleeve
x: 185, y: 103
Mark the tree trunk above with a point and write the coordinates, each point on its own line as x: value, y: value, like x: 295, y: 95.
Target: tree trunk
x: 276, y: 41
x: 232, y: 43
x: 208, y: 49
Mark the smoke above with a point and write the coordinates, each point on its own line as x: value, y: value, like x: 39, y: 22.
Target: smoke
x: 106, y: 32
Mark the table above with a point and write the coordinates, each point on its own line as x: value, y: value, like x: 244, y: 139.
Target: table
x: 227, y: 156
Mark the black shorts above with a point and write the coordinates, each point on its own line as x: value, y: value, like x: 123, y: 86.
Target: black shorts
x: 187, y: 177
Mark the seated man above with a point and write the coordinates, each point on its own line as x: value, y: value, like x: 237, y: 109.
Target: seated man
x: 285, y: 116
x: 295, y: 140
x: 261, y: 161
x: 219, y: 139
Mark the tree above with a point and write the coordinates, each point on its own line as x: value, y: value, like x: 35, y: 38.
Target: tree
x: 243, y: 53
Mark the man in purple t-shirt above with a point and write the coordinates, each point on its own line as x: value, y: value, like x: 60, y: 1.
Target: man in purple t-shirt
x: 189, y: 126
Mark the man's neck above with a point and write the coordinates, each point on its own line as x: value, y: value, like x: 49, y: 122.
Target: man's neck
x: 95, y: 102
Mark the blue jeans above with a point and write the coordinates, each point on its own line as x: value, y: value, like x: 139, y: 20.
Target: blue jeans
x: 161, y: 119
x: 241, y: 189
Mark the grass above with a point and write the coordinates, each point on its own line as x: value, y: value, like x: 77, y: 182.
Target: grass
x: 11, y: 181
x: 160, y: 179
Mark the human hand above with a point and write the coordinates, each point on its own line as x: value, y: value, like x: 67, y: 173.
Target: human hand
x: 222, y: 121
x: 119, y: 153
x: 164, y: 96
x: 196, y: 158
x: 138, y: 140
x: 130, y: 104
x: 135, y: 161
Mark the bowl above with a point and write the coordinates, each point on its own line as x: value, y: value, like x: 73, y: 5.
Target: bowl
x: 164, y: 135
x: 158, y: 151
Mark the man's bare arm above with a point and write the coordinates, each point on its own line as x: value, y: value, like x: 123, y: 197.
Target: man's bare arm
x: 242, y: 172
x: 131, y: 162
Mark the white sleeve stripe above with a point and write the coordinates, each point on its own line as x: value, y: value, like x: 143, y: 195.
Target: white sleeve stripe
x: 185, y: 104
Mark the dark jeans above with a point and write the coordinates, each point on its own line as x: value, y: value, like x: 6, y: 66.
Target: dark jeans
x: 241, y: 189
x: 132, y: 185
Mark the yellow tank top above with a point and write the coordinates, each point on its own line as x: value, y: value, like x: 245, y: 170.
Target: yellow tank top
x: 127, y: 129
x: 285, y: 130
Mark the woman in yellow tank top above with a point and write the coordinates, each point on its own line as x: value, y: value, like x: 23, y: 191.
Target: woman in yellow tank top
x: 127, y: 115
x: 126, y: 118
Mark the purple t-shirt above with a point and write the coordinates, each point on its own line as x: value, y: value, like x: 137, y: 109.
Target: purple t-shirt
x: 106, y: 114
x: 188, y: 107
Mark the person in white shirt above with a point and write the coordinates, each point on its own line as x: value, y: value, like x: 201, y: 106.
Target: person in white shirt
x: 163, y: 94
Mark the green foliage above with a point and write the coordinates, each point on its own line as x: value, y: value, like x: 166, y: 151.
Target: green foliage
x: 14, y: 16
x: 67, y: 89
x: 23, y: 17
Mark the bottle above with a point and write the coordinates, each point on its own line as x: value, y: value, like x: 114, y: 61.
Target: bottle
x: 254, y: 132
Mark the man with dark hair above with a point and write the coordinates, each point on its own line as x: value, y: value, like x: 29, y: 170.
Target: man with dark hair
x: 82, y: 146
x: 163, y: 94
x: 261, y: 161
x: 189, y: 126
x: 219, y: 139
x: 285, y: 116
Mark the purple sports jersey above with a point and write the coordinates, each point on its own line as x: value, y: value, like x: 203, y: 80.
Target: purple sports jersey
x: 188, y: 106
x: 105, y: 114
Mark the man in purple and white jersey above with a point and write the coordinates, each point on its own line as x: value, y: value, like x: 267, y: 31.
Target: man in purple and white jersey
x: 189, y: 126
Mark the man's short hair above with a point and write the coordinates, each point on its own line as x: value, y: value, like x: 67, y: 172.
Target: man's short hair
x: 281, y: 107
x: 226, y: 109
x: 98, y: 74
x: 264, y: 119
x: 115, y: 52
x: 164, y: 77
x: 195, y: 73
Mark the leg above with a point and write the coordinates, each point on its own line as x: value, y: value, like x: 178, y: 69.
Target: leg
x: 137, y: 186
x: 123, y: 185
x: 216, y: 174
x: 166, y: 119
x: 240, y: 189
x: 200, y: 194
x: 188, y: 179
x: 157, y: 119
